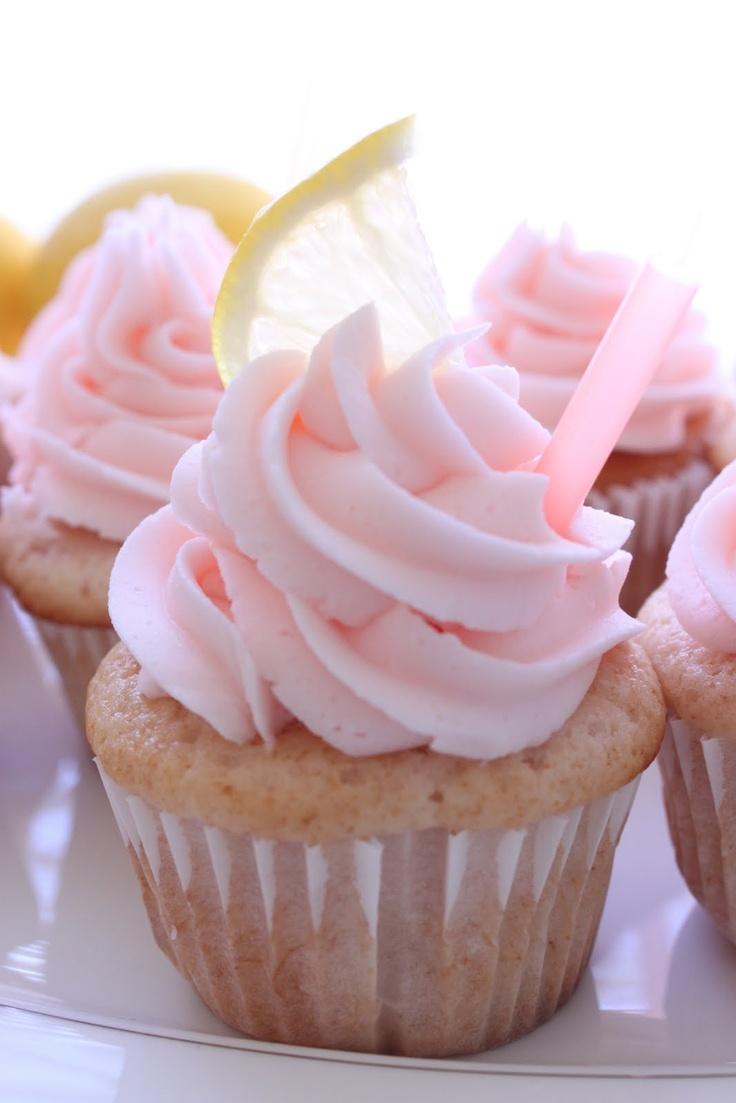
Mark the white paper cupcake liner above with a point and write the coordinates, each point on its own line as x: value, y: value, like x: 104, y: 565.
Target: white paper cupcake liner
x: 423, y: 943
x: 76, y: 652
x: 658, y: 507
x: 699, y: 774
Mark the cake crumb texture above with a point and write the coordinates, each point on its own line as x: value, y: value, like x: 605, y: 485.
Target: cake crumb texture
x: 699, y: 684
x: 59, y: 573
x: 306, y: 791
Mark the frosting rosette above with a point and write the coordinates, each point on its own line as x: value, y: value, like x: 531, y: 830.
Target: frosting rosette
x: 549, y: 305
x: 701, y: 570
x: 365, y: 550
x: 11, y: 379
x: 121, y: 376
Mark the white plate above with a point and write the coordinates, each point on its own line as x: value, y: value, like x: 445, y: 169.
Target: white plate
x: 658, y: 1000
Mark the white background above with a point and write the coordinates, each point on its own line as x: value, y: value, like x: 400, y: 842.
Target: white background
x: 618, y: 117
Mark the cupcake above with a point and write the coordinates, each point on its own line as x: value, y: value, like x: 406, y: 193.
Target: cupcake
x: 549, y: 305
x: 373, y: 728
x: 122, y: 382
x: 691, y: 640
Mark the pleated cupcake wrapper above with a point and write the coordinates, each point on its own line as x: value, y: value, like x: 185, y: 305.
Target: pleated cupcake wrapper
x: 699, y: 774
x: 658, y: 507
x: 423, y: 943
x: 76, y: 652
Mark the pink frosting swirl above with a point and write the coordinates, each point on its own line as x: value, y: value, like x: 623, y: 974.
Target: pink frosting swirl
x: 701, y: 571
x: 11, y: 379
x: 122, y: 376
x: 367, y: 551
x: 549, y: 305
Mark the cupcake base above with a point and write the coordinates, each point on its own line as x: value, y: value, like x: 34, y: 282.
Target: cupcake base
x: 60, y: 576
x: 699, y: 775
x: 658, y: 505
x: 421, y: 943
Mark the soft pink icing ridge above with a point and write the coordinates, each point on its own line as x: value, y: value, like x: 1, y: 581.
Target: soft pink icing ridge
x: 701, y: 576
x: 549, y: 305
x: 367, y: 551
x: 11, y: 379
x: 121, y: 376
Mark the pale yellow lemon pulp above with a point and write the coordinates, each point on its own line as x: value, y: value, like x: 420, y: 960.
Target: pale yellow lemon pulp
x: 346, y: 236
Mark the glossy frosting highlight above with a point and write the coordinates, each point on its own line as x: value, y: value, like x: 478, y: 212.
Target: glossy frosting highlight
x: 701, y: 572
x: 121, y: 375
x: 367, y: 551
x: 549, y: 305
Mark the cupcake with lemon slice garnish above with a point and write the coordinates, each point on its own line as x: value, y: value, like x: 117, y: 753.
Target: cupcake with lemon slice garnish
x: 373, y: 728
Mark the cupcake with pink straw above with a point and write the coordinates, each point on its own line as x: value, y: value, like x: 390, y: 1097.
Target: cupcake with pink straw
x: 549, y: 304
x: 121, y: 381
x: 376, y: 718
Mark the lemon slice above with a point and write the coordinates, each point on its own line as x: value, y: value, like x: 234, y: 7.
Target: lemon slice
x: 343, y: 237
x: 231, y: 202
x: 16, y: 259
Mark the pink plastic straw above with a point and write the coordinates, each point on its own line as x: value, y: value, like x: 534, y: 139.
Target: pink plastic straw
x: 609, y: 392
